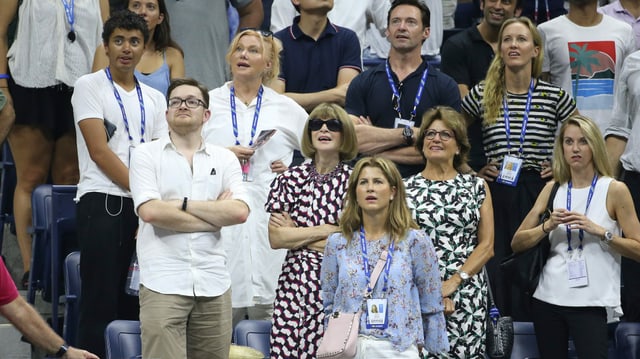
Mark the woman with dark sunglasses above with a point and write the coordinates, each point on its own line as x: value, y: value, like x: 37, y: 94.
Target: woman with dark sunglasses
x: 244, y: 112
x: 305, y: 203
x: 456, y: 211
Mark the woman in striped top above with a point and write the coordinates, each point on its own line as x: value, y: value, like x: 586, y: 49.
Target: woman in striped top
x: 512, y: 100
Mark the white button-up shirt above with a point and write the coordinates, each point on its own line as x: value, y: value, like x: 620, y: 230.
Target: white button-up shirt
x: 190, y: 264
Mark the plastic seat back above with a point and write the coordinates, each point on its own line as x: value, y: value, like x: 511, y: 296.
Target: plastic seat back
x: 72, y: 295
x: 122, y: 339
x: 524, y: 341
x: 253, y: 333
x: 627, y: 340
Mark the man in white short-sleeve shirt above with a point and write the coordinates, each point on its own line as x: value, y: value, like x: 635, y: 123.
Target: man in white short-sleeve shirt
x: 113, y: 114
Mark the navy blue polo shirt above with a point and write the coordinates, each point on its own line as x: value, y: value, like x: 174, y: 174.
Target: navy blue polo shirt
x: 308, y: 65
x: 370, y: 95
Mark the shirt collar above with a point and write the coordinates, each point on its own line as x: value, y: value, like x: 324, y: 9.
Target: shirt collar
x: 167, y: 144
x: 296, y: 32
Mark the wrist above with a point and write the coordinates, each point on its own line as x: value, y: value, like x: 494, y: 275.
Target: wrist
x: 184, y: 204
x: 543, y: 229
x: 61, y: 353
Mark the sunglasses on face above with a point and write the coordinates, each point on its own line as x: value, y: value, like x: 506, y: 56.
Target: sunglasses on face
x: 333, y: 125
x: 444, y: 135
x: 264, y: 33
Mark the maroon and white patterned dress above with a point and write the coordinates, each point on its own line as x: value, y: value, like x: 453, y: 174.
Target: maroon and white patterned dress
x: 311, y: 199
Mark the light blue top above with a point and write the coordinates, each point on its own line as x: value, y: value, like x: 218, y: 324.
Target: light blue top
x: 158, y: 79
x: 414, y: 296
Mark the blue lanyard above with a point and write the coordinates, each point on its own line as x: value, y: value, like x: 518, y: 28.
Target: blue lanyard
x: 525, y: 119
x: 234, y: 116
x: 69, y: 13
x: 121, y: 104
x: 365, y: 262
x: 589, y: 198
x: 396, y: 94
x: 535, y: 11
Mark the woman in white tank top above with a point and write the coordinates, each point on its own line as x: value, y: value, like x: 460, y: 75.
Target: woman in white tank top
x: 581, y: 278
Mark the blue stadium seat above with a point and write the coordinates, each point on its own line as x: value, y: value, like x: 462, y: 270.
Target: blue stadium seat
x: 627, y: 340
x: 524, y: 341
x: 72, y: 297
x: 253, y: 333
x: 7, y: 187
x: 122, y: 339
x: 53, y: 231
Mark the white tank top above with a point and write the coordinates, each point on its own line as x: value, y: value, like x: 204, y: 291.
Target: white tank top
x: 603, y: 264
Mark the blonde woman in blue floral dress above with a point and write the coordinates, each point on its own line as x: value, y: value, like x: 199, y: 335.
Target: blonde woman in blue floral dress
x: 455, y: 210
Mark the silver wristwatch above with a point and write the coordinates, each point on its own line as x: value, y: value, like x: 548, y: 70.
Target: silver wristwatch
x: 463, y: 275
x: 608, y: 237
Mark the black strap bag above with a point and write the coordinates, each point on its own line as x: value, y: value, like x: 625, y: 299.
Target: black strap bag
x: 524, y: 268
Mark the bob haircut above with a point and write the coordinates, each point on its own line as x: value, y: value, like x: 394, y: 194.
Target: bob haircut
x: 271, y: 48
x: 399, y: 220
x: 593, y: 136
x: 455, y: 122
x: 348, y: 147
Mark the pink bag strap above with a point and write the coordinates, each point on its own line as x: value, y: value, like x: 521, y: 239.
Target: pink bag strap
x: 376, y: 272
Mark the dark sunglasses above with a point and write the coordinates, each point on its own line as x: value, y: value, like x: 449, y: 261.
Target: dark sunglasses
x: 265, y: 33
x: 333, y: 125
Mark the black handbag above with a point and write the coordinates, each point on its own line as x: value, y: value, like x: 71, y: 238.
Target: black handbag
x: 499, y: 338
x: 524, y: 268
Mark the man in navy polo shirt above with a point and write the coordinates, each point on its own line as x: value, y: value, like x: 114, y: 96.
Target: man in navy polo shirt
x: 319, y: 59
x: 387, y: 101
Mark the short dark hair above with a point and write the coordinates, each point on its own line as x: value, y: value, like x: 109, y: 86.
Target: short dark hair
x: 126, y: 20
x: 190, y: 82
x: 425, y: 14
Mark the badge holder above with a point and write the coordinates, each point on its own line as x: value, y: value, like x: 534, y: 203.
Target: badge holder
x: 247, y: 173
x: 577, y: 270
x: 510, y: 171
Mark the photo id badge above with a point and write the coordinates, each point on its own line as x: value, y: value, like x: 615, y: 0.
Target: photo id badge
x: 577, y: 272
x: 246, y: 167
x: 377, y: 314
x: 401, y: 123
x: 510, y: 171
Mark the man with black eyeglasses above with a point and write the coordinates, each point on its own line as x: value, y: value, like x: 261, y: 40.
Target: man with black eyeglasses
x: 113, y: 113
x: 184, y: 191
x: 387, y: 102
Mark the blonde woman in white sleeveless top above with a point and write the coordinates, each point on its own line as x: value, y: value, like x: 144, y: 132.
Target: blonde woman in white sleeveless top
x: 581, y: 278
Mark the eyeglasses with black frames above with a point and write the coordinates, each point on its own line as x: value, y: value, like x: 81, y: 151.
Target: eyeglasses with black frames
x: 333, y: 125
x: 444, y: 135
x: 192, y: 102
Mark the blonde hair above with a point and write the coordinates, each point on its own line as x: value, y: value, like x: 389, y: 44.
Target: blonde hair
x: 399, y: 221
x: 494, y: 85
x: 561, y: 170
x: 271, y: 48
x: 455, y: 122
x: 349, y: 146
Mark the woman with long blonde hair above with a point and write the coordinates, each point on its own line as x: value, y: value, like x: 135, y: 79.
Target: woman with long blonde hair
x: 520, y: 115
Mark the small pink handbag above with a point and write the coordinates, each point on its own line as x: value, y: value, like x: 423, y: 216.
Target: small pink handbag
x: 340, y: 339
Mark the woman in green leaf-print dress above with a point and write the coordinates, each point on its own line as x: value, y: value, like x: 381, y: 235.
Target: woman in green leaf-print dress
x: 455, y: 210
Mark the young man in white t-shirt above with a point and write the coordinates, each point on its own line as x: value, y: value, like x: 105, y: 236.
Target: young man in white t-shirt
x: 113, y: 113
